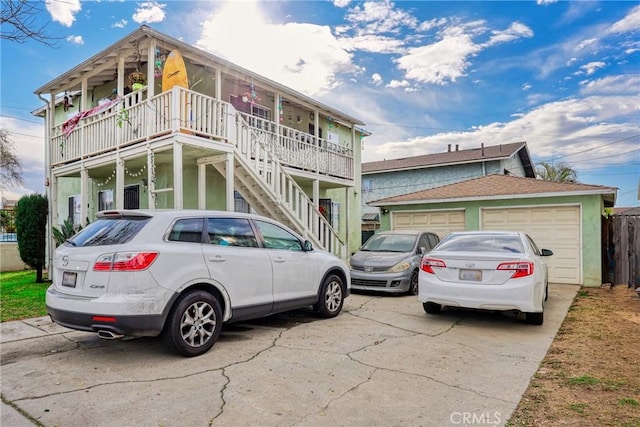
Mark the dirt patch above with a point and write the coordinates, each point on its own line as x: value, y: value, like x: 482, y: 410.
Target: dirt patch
x: 591, y: 374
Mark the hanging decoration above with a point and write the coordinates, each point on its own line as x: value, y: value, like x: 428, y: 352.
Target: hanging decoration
x: 158, y: 64
x: 108, y: 180
x: 135, y: 174
x: 330, y: 122
x: 280, y: 112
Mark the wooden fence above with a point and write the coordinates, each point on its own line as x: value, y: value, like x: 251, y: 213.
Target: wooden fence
x: 621, y: 250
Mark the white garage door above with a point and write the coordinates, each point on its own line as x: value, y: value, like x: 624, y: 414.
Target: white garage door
x: 553, y: 227
x: 440, y: 222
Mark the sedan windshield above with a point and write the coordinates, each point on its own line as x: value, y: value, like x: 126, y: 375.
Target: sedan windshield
x: 390, y: 243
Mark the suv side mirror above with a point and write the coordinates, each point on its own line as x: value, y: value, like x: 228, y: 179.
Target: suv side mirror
x: 546, y: 252
x: 307, y: 246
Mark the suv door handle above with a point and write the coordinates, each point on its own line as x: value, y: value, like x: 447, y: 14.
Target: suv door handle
x: 217, y: 258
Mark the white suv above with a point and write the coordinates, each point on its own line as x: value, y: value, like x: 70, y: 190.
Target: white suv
x: 183, y: 273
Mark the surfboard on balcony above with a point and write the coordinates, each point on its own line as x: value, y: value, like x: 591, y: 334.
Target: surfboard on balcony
x: 174, y: 72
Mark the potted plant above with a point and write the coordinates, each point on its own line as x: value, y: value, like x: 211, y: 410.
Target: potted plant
x: 137, y: 80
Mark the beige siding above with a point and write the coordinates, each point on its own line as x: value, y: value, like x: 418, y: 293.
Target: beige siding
x: 440, y: 222
x: 551, y: 227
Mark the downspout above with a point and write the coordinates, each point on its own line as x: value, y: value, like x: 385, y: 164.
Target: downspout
x: 47, y: 182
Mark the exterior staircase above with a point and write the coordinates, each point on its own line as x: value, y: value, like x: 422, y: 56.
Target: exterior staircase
x: 271, y: 191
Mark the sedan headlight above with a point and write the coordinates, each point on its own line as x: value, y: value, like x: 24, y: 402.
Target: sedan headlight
x: 401, y: 266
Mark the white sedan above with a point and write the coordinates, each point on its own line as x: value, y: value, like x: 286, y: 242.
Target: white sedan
x: 487, y: 270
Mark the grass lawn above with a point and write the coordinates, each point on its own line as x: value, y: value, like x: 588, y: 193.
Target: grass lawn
x: 20, y: 296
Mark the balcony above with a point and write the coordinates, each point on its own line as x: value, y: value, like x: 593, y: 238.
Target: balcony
x: 136, y: 119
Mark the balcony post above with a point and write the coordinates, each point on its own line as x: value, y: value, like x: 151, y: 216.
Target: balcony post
x: 177, y: 174
x: 84, y: 194
x: 119, y: 182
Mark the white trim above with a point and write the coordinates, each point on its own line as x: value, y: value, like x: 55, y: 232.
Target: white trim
x: 495, y: 197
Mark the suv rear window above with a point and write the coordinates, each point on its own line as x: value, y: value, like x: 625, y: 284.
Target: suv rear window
x: 109, y: 231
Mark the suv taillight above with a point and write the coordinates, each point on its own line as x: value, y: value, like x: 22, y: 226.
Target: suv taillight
x: 520, y: 268
x: 125, y: 261
x: 428, y: 264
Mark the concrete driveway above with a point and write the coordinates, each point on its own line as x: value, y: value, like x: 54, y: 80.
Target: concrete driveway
x: 382, y: 362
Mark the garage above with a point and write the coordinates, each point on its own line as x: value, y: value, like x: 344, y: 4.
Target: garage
x: 565, y: 217
x: 441, y: 222
x: 551, y: 227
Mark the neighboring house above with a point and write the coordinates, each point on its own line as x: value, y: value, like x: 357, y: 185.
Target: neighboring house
x: 233, y: 140
x: 563, y: 217
x: 393, y: 177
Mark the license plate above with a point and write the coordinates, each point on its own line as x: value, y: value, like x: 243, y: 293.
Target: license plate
x: 471, y: 275
x: 69, y: 279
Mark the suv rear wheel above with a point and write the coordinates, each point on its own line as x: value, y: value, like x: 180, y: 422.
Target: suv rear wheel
x: 194, y: 324
x: 331, y: 297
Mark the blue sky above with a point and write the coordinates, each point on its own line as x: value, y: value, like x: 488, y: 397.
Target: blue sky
x: 562, y: 76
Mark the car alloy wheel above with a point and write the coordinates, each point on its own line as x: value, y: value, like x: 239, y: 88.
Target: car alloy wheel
x: 194, y: 324
x: 331, y: 297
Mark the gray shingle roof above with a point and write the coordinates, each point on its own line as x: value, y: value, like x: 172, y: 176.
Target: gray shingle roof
x: 494, y: 152
x: 497, y: 187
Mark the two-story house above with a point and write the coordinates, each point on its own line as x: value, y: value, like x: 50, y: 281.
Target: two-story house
x: 227, y: 138
x: 394, y: 177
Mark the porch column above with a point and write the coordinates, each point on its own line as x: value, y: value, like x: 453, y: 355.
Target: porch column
x: 84, y: 99
x: 347, y: 210
x: 178, y: 201
x: 119, y: 182
x: 151, y: 180
x: 121, y: 76
x: 84, y: 194
x: 50, y: 188
x: 151, y: 64
x: 202, y: 186
x: 218, y: 93
x: 229, y: 177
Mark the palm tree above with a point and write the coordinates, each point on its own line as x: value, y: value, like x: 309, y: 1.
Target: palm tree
x: 558, y: 172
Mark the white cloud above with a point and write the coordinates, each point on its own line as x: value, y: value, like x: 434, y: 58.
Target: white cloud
x: 373, y: 43
x: 526, y: 86
x: 149, y: 12
x: 120, y: 24
x: 591, y: 67
x: 546, y: 2
x: 613, y: 85
x: 553, y: 130
x: 516, y: 31
x: 63, y: 12
x: 629, y: 23
x: 341, y: 3
x: 394, y: 84
x: 439, y: 63
x: 75, y: 40
x: 376, y: 79
x: 375, y: 17
x: 306, y: 57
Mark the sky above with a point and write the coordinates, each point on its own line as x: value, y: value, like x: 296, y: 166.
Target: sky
x: 564, y: 76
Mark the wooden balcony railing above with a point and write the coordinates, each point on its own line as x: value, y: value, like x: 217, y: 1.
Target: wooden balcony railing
x: 136, y: 119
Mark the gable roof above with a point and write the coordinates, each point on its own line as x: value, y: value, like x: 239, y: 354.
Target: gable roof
x: 498, y: 187
x: 474, y: 155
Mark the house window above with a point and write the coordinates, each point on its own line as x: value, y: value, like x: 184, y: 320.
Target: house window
x: 367, y: 185
x: 132, y: 197
x: 240, y: 204
x: 75, y: 206
x: 105, y: 200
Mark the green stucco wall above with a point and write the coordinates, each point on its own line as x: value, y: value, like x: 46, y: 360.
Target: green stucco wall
x: 592, y: 207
